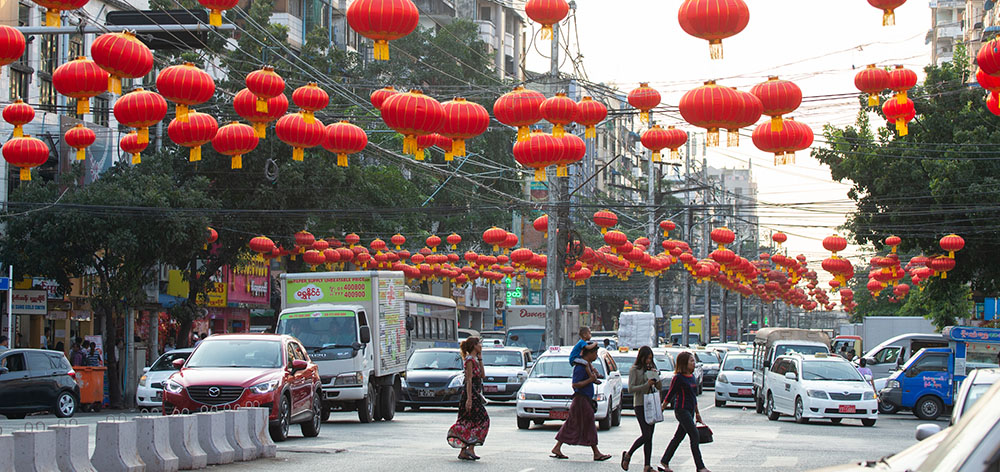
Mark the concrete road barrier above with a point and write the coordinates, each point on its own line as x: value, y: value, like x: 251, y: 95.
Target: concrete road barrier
x: 153, y: 440
x: 34, y: 451
x: 238, y: 435
x: 6, y: 453
x: 259, y: 428
x: 184, y: 442
x: 116, y: 448
x: 72, y: 453
x: 212, y: 437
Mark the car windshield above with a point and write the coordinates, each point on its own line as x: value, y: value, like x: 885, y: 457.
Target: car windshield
x: 215, y: 352
x: 827, y: 370
x: 738, y: 363
x: 624, y: 363
x: 503, y: 358
x: 533, y: 339
x: 322, y: 329
x: 499, y: 336
x: 707, y: 357
x: 976, y: 391
x: 435, y: 360
x: 789, y: 349
x: 165, y: 362
x: 557, y: 367
x: 662, y: 361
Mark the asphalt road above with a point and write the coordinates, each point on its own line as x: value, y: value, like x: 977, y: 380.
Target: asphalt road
x: 744, y: 441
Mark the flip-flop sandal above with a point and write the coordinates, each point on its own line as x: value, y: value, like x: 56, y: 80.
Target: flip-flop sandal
x: 559, y: 456
x: 465, y: 457
x: 602, y: 458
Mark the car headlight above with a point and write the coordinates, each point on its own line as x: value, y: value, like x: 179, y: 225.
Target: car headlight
x: 892, y: 384
x: 264, y: 387
x: 350, y: 378
x: 528, y: 396
x: 817, y: 394
x: 599, y: 397
x: 142, y: 381
x: 868, y: 396
x: 457, y: 382
x: 723, y: 379
x: 173, y: 387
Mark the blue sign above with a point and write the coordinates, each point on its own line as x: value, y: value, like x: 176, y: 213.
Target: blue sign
x: 4, y: 283
x: 973, y: 335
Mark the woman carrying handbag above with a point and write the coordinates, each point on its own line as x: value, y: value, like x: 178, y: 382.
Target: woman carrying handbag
x: 644, y: 384
x: 473, y: 421
x: 683, y: 394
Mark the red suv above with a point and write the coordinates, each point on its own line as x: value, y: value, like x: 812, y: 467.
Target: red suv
x: 242, y: 370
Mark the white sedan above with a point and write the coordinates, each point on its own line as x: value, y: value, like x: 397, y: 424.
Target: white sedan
x: 735, y: 382
x: 149, y: 392
x: 548, y: 391
x: 819, y: 386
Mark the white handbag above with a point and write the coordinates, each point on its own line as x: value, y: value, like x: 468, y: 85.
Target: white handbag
x: 651, y: 408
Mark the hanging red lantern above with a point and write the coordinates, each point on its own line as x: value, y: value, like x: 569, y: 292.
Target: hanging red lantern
x: 711, y: 107
x: 211, y: 236
x: 434, y: 139
x: 942, y: 265
x: 872, y: 80
x: 667, y: 226
x: 352, y: 240
x: 952, y: 243
x: 26, y: 153
x: 261, y: 245
x: 779, y: 238
x: 412, y: 114
x: 748, y: 112
x: 644, y: 98
x: 383, y: 21
x: 310, y: 99
x: 893, y: 242
x: 378, y: 97
x: 988, y: 82
x: 186, y: 85
x: 655, y: 139
x: 988, y: 58
x: 433, y: 241
x: 215, y: 9
x: 52, y: 15
x: 265, y: 84
x: 546, y: 13
x: 140, y: 109
x: 398, y: 240
x: 794, y: 136
x: 993, y: 104
x: 344, y: 138
x: 198, y: 130
x: 463, y: 120
x: 80, y: 138
x: 494, y: 237
x: 713, y: 20
x: 834, y: 243
x: 80, y: 79
x: 131, y: 145
x: 899, y: 114
x: 12, y: 45
x: 901, y: 80
x: 235, y: 140
x: 454, y: 240
x: 605, y: 219
x: 123, y: 56
x: 541, y: 224
x: 245, y: 104
x: 590, y: 113
x: 561, y: 111
x: 779, y: 97
x: 519, y: 108
x: 722, y: 236
x: 615, y: 239
x: 294, y: 130
x: 888, y: 8
x: 539, y: 151
x: 18, y: 114
x: 573, y: 151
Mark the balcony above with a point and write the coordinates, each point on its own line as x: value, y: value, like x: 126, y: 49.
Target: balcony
x: 950, y: 32
x: 488, y: 34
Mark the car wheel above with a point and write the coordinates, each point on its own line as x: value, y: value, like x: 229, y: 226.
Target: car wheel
x: 720, y: 403
x: 387, y: 402
x: 868, y: 423
x: 887, y: 408
x: 366, y: 406
x: 310, y: 429
x: 325, y: 414
x: 65, y: 405
x: 523, y: 423
x: 800, y: 412
x: 279, y: 432
x: 836, y: 420
x: 616, y: 419
x: 605, y: 424
x: 928, y: 408
x: 769, y: 408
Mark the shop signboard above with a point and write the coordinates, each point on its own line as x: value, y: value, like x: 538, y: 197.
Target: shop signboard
x: 30, y: 302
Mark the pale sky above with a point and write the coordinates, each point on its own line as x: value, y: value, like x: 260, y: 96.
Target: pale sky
x: 818, y: 44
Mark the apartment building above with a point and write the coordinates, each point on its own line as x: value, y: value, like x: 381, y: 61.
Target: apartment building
x: 947, y: 28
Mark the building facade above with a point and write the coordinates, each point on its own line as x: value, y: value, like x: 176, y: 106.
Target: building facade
x: 947, y: 28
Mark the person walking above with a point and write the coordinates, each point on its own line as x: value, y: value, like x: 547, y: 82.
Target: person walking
x: 473, y: 421
x: 77, y: 357
x: 93, y: 355
x: 683, y: 396
x: 643, y: 379
x: 580, y: 429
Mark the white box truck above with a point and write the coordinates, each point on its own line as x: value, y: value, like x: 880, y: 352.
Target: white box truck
x: 354, y: 327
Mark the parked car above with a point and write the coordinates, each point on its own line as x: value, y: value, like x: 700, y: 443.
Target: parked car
x: 506, y: 370
x: 820, y: 386
x: 711, y: 361
x: 548, y: 392
x: 434, y: 377
x: 735, y: 382
x: 973, y: 387
x: 625, y: 360
x: 33, y: 380
x: 149, y: 393
x: 699, y: 370
x: 241, y: 370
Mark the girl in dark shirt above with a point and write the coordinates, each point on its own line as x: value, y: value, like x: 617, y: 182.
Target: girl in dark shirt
x: 683, y: 395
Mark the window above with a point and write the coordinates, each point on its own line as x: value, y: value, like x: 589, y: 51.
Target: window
x: 20, y: 71
x: 48, y: 60
x: 290, y: 353
x: 38, y: 361
x: 485, y: 14
x: 101, y: 110
x: 780, y: 367
x: 13, y: 362
x: 930, y: 363
x: 76, y: 46
x: 887, y: 355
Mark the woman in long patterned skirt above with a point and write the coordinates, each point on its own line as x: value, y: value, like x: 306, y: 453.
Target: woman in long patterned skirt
x: 473, y: 421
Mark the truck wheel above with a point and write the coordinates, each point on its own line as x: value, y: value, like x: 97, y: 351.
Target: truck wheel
x: 759, y: 402
x: 887, y: 408
x: 387, y: 402
x: 928, y: 408
x: 366, y: 406
x: 769, y: 408
x: 523, y: 423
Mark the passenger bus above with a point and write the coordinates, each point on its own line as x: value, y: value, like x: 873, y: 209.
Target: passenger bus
x: 432, y: 321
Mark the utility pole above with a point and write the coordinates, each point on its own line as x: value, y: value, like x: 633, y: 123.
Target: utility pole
x: 553, y: 268
x: 739, y: 299
x: 688, y: 234
x: 651, y: 190
x: 706, y: 244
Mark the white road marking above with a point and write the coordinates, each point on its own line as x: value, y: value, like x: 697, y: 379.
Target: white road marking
x: 780, y: 461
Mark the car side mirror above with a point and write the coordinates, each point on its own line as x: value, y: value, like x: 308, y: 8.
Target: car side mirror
x: 791, y: 376
x: 927, y: 430
x: 366, y: 335
x: 145, y: 370
x: 178, y: 363
x: 870, y: 360
x: 299, y: 364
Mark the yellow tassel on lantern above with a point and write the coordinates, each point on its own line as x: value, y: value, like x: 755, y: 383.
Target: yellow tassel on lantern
x: 889, y: 18
x: 18, y: 131
x: 341, y: 160
x: 901, y: 98
x: 733, y: 138
x: 298, y: 154
x: 182, y: 113
x: 715, y: 48
x: 215, y: 18
x: 143, y: 134
x: 656, y: 156
x: 644, y: 116
x: 675, y: 154
x: 52, y: 17
x: 873, y: 100
x: 523, y: 132
x: 590, y: 132
x: 546, y: 32
x: 561, y: 171
x: 777, y: 124
x: 713, y: 137
x: 237, y: 162
x: 449, y: 156
x: 25, y: 173
x: 115, y: 85
x: 308, y: 117
x: 419, y: 155
x: 136, y: 158
x: 458, y: 147
x: 82, y: 106
x: 381, y: 51
x: 195, y: 154
x: 540, y: 175
x: 81, y: 154
x: 558, y: 131
x: 902, y: 127
x: 261, y: 105
x: 944, y: 275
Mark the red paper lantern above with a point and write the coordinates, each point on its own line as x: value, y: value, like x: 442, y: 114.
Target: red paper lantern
x: 893, y: 242
x: 130, y: 144
x: 667, y: 226
x: 748, y: 113
x: 872, y: 80
x: 383, y: 21
x: 398, y: 240
x: 888, y: 8
x: 539, y: 151
x: 12, y: 45
x: 988, y: 58
x: 26, y: 153
x: 644, y: 98
x: 261, y: 244
x: 589, y: 114
x: 942, y: 265
x: 80, y: 138
x: 352, y: 240
x: 605, y: 219
x: 412, y: 114
x: 561, y: 111
x: 794, y: 136
x: 573, y: 151
x: 899, y: 114
x: 211, y: 235
x: 993, y: 104
x: 310, y: 99
x: 494, y: 237
x: 216, y: 7
x: 293, y: 130
x: 344, y: 138
x: 463, y: 120
x: 245, y: 104
x: 656, y: 139
x: 615, y: 239
x: 779, y: 97
x: 378, y: 97
x: 433, y: 241
x: 722, y: 236
x: 519, y: 108
x: 454, y: 240
x: 235, y: 140
x: 81, y: 79
x: 123, y: 56
x: 434, y: 139
x: 18, y: 114
x: 198, y: 130
x: 186, y: 85
x: 713, y: 20
x: 711, y: 107
x: 952, y: 243
x: 901, y: 80
x: 834, y: 243
x: 541, y: 224
x: 546, y: 13
x: 52, y: 17
x: 140, y: 109
x: 988, y: 82
x: 265, y: 84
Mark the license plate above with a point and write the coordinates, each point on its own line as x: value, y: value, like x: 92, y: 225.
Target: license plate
x: 558, y: 414
x: 848, y: 409
x: 491, y: 388
x: 744, y: 392
x: 426, y: 393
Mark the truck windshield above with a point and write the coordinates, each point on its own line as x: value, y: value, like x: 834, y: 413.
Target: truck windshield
x: 557, y: 367
x: 827, y: 370
x: 435, y: 360
x: 789, y: 349
x: 533, y: 339
x: 503, y: 358
x: 322, y: 330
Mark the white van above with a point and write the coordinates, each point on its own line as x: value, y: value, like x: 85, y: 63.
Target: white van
x: 893, y: 353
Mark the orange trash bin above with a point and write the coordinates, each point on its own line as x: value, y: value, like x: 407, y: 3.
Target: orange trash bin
x: 91, y: 382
